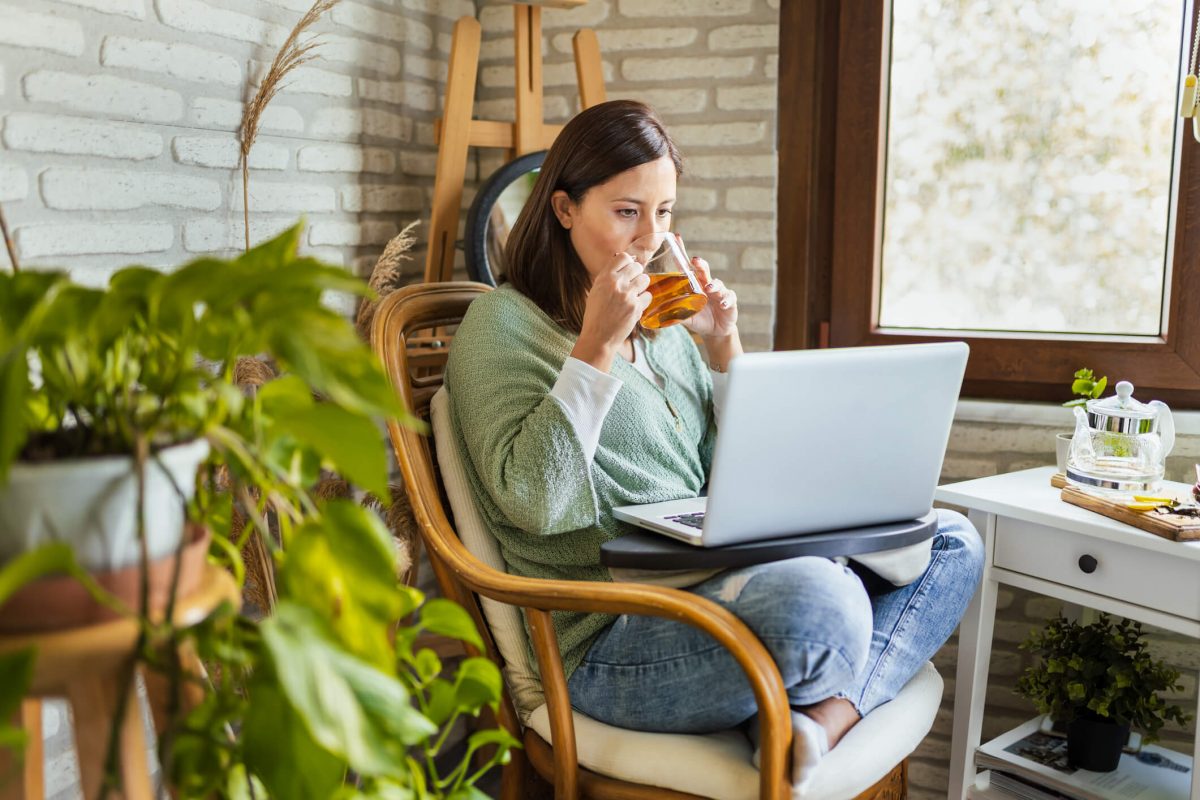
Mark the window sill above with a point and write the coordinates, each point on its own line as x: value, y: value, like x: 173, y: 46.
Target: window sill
x: 1187, y: 423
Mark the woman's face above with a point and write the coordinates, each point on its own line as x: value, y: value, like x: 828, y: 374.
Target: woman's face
x: 614, y: 213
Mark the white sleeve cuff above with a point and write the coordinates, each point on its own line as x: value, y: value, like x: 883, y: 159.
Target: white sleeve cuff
x: 720, y: 383
x: 585, y: 394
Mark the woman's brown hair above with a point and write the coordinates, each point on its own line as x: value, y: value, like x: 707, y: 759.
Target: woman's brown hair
x: 599, y: 143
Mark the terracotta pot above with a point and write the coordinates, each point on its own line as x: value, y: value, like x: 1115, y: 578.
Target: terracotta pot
x: 91, y: 504
x: 1095, y: 744
x: 60, y: 601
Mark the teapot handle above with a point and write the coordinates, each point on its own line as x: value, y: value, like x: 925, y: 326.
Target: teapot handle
x: 1166, y: 426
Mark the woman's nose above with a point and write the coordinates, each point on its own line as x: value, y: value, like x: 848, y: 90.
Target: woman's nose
x: 648, y: 227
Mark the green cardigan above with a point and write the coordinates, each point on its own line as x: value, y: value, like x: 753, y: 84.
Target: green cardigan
x: 546, y: 506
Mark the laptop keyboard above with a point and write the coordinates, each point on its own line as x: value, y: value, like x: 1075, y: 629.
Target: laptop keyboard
x: 695, y: 520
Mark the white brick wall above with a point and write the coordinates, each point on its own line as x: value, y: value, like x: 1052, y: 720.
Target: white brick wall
x: 224, y: 152
x: 135, y: 9
x: 71, y: 238
x: 43, y: 133
x: 24, y: 28
x: 172, y: 58
x: 119, y: 121
x: 121, y: 190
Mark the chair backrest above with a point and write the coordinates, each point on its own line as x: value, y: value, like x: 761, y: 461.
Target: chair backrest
x: 410, y: 334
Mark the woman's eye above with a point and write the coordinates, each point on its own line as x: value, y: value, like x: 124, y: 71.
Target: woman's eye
x: 664, y: 212
x: 628, y: 213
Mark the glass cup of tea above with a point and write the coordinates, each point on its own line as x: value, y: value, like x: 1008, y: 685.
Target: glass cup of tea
x: 675, y: 290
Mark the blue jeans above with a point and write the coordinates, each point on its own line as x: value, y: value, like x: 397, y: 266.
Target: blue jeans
x: 831, y: 630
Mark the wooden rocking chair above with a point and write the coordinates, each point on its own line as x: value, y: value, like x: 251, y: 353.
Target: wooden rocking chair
x: 588, y: 758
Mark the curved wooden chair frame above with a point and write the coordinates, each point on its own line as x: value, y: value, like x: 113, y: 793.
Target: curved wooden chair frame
x: 409, y: 360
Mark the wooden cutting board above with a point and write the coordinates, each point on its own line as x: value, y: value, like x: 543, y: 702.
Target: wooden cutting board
x: 1169, y: 526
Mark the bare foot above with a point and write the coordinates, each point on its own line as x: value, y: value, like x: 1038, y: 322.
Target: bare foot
x: 835, y: 714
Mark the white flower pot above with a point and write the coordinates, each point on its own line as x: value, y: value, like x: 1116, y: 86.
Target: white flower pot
x: 89, y: 503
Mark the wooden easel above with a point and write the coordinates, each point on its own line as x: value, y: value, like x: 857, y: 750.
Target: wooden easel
x: 458, y: 130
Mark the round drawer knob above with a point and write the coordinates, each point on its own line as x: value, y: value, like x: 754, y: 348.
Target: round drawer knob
x: 1088, y: 563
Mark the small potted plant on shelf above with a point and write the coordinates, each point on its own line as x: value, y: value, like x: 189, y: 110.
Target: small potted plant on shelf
x: 1085, y: 386
x: 1100, y: 679
x: 122, y: 420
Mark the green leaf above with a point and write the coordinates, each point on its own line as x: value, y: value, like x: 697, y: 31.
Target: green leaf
x: 25, y: 299
x: 239, y: 786
x: 286, y: 394
x: 351, y: 709
x: 496, y: 736
x: 14, y: 389
x: 280, y: 750
x: 16, y: 674
x: 349, y: 442
x: 427, y: 665
x: 476, y: 684
x: 342, y: 566
x: 440, y: 698
x: 450, y: 619
x: 50, y: 559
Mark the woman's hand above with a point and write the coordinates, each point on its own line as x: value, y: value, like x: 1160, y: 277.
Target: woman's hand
x: 718, y: 318
x: 614, y: 305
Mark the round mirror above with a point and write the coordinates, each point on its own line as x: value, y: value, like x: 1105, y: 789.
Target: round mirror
x: 493, y: 214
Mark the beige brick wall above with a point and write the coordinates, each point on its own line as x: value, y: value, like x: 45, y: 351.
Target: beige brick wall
x: 709, y: 68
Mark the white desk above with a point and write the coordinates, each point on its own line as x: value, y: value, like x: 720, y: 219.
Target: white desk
x: 1035, y: 541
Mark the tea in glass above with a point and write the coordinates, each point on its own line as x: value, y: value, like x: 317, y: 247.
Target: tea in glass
x: 674, y: 288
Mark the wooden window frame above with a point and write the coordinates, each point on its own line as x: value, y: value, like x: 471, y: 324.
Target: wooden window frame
x: 830, y: 154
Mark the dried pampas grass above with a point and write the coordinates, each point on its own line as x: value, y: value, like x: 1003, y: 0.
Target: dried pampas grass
x: 12, y: 250
x: 291, y: 55
x: 386, y: 276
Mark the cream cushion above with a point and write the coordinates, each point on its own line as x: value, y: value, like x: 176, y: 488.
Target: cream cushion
x: 715, y: 765
x: 504, y: 620
x: 718, y: 765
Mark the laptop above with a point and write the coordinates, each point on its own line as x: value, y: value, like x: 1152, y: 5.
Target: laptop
x: 813, y: 441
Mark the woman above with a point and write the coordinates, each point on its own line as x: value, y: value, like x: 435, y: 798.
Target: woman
x: 565, y: 408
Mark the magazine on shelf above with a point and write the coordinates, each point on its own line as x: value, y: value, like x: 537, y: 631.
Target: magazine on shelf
x: 1026, y: 753
x: 1014, y: 786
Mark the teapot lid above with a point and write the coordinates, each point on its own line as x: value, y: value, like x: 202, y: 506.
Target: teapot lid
x: 1121, y: 413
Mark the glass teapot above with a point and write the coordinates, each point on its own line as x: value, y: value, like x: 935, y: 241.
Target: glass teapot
x: 1121, y: 445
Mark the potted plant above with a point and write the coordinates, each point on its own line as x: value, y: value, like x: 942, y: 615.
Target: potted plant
x: 133, y: 373
x: 1100, y: 679
x: 1086, y: 387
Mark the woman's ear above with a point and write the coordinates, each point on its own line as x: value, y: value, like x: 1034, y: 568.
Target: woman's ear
x: 564, y: 209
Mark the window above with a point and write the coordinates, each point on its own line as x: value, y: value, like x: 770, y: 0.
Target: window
x: 1012, y: 174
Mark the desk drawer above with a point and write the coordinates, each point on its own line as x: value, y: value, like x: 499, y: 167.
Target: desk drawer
x: 1145, y: 578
